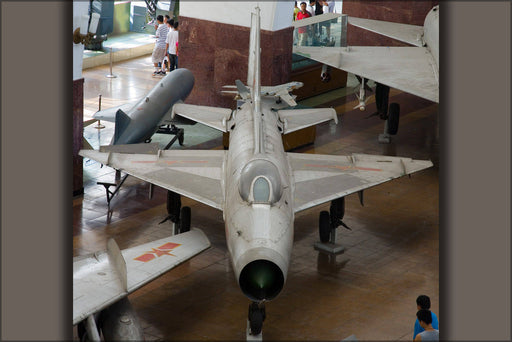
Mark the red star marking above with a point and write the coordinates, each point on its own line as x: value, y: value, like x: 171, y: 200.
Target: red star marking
x: 169, y: 246
x: 158, y: 252
x: 145, y: 257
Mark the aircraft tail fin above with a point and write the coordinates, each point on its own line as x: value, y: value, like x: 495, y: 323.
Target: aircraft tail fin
x: 250, y: 62
x: 254, y: 80
x: 122, y: 121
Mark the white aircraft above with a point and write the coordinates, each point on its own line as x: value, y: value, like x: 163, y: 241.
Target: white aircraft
x: 412, y: 69
x: 282, y: 91
x: 258, y: 186
x: 103, y: 280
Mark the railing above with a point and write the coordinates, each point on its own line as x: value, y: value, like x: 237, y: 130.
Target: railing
x: 329, y: 29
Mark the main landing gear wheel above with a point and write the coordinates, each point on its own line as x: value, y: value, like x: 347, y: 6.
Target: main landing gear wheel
x: 184, y: 222
x: 337, y: 211
x: 381, y: 100
x: 173, y: 207
x: 393, y: 118
x: 328, y: 222
x: 256, y: 317
x: 324, y: 226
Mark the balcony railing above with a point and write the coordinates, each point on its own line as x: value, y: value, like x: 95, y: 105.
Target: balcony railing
x: 329, y: 29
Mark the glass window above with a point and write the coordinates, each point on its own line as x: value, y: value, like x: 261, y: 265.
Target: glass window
x: 261, y: 190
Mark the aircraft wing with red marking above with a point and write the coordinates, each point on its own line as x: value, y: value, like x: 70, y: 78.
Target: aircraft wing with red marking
x: 102, y: 278
x: 195, y: 174
x: 322, y: 178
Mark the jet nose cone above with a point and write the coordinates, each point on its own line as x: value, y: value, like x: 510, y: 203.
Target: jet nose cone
x: 261, y: 279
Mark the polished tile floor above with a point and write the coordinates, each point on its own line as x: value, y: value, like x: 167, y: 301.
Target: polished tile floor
x: 391, y: 254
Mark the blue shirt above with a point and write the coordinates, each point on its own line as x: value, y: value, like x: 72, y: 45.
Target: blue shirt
x: 418, y: 328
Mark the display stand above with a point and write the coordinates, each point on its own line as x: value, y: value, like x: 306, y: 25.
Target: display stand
x: 250, y: 337
x: 330, y: 247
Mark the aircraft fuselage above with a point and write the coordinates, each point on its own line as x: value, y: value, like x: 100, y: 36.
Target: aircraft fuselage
x: 259, y: 210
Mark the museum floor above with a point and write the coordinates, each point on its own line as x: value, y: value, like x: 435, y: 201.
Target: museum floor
x: 391, y: 254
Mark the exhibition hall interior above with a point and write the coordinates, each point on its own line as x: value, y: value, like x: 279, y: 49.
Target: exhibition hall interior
x: 281, y: 183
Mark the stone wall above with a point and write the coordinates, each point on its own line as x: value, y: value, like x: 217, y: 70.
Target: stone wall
x: 217, y: 55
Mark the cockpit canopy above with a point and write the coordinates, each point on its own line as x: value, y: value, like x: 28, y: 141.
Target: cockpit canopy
x: 260, y: 182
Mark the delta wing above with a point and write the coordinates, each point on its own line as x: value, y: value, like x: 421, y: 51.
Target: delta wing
x: 195, y: 174
x: 410, y: 69
x: 322, y: 178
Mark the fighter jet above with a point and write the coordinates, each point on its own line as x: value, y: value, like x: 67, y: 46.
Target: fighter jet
x: 256, y: 184
x: 137, y: 122
x: 413, y: 69
x: 282, y: 91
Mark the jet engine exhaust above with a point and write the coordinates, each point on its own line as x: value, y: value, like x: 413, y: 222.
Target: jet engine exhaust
x: 261, y: 280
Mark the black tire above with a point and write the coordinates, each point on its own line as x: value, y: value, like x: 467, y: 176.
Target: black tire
x: 256, y: 322
x: 186, y: 214
x: 393, y: 118
x: 181, y: 138
x: 173, y: 205
x: 256, y: 318
x: 382, y: 99
x: 324, y: 226
x: 337, y: 211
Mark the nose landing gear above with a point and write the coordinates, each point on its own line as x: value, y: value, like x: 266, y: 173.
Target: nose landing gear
x: 255, y: 321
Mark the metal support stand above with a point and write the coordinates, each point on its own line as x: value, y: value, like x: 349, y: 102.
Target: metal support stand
x: 330, y: 247
x: 111, y: 75
x: 250, y: 337
x: 179, y: 134
x: 92, y: 329
x: 111, y: 194
x: 99, y: 125
x: 385, y: 138
x: 151, y: 190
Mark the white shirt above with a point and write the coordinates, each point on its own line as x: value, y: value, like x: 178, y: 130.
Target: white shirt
x: 331, y: 5
x: 311, y: 10
x: 172, y: 39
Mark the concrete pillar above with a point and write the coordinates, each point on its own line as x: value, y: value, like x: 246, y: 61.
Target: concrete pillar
x: 79, y: 8
x: 78, y: 129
